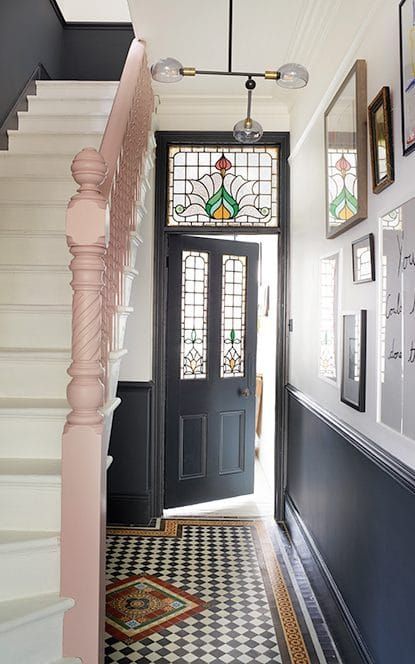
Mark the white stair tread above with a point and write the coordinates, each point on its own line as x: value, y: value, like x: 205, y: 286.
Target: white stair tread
x: 13, y: 540
x: 14, y: 613
x: 50, y: 468
x: 18, y: 404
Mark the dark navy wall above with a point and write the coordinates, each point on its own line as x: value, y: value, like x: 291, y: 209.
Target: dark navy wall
x: 129, y: 477
x: 33, y: 32
x: 30, y: 33
x: 95, y: 53
x: 357, y: 506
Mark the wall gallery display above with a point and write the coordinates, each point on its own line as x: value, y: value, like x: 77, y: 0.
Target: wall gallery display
x: 353, y: 385
x: 397, y: 324
x: 363, y: 259
x: 346, y: 153
x: 381, y: 143
x: 407, y: 47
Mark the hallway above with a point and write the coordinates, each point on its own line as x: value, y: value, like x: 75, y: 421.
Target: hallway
x: 204, y: 590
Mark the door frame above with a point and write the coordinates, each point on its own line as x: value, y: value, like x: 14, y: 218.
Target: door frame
x: 161, y: 233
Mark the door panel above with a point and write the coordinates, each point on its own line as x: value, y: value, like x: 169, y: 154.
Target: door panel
x: 211, y: 350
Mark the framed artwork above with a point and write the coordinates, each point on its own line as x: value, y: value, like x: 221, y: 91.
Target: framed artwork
x: 345, y: 127
x: 381, y: 142
x: 353, y: 383
x: 407, y: 48
x: 363, y: 259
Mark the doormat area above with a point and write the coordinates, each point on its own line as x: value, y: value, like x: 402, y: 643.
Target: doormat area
x: 206, y: 591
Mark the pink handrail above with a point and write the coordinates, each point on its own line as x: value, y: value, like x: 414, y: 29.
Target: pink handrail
x: 110, y: 186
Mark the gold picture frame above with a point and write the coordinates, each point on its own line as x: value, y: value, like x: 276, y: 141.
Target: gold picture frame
x: 381, y: 141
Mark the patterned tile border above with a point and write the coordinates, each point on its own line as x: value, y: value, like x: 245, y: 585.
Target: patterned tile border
x: 292, y: 633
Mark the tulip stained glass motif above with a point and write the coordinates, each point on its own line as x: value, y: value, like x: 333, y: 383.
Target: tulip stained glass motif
x: 342, y: 175
x: 220, y: 186
x: 194, y: 298
x: 233, y: 316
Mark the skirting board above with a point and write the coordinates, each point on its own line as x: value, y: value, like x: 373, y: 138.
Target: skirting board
x: 341, y: 624
x: 129, y: 509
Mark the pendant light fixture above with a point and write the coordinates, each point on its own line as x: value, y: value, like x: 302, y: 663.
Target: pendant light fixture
x: 290, y: 76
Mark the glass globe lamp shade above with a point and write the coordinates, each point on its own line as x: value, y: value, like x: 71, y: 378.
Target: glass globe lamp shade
x: 292, y: 76
x: 167, y: 70
x: 247, y: 131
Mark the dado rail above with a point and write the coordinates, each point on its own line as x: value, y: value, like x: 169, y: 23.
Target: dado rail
x: 101, y: 229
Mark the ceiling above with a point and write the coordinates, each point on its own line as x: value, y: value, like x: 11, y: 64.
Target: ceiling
x: 95, y: 11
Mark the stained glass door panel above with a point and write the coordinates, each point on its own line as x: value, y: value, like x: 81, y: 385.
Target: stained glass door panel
x: 211, y: 350
x: 223, y: 186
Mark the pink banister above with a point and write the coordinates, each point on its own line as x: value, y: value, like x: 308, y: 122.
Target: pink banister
x: 101, y: 221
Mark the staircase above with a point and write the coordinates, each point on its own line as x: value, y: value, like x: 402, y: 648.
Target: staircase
x: 35, y: 338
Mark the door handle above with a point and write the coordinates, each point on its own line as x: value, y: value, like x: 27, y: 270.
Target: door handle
x: 244, y: 392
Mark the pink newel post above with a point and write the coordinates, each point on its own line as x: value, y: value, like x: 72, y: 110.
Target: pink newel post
x: 83, y: 456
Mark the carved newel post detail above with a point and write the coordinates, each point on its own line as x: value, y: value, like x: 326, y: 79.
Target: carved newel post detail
x: 85, y: 230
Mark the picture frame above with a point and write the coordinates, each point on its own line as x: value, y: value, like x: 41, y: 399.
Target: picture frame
x: 407, y: 74
x: 381, y: 141
x: 353, y: 380
x: 345, y: 132
x: 363, y: 259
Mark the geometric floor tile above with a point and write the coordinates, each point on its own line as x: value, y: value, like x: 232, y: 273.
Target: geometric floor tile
x: 144, y: 604
x: 235, y: 604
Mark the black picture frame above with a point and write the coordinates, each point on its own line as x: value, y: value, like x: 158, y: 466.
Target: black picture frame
x: 406, y: 23
x: 381, y: 136
x: 367, y: 241
x: 353, y: 381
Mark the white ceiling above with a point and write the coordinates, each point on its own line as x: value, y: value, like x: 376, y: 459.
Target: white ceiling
x: 196, y: 33
x: 95, y: 10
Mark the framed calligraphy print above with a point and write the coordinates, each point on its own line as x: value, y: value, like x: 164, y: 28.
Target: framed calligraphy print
x: 397, y: 322
x: 345, y: 127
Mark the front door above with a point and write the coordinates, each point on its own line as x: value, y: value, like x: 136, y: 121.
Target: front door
x: 211, y: 357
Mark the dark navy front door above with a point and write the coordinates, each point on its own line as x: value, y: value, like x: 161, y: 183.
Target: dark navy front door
x: 211, y: 357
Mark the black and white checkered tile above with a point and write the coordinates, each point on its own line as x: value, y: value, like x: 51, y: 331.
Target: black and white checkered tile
x: 220, y: 566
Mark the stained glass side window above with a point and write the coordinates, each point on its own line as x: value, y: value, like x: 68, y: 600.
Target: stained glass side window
x: 233, y: 316
x: 329, y: 268
x: 217, y: 186
x: 194, y: 297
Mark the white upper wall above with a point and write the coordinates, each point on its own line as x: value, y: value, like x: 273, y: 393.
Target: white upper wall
x: 377, y: 42
x: 96, y: 11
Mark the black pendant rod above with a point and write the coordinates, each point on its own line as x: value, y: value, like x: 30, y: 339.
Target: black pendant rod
x: 246, y: 74
x: 230, y: 36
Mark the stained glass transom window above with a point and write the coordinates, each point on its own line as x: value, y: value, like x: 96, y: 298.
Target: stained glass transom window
x: 219, y: 186
x: 233, y: 316
x: 194, y: 299
x: 328, y: 317
x: 342, y: 176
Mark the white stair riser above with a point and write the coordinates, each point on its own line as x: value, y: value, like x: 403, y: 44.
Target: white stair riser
x: 21, y: 189
x: 75, y: 89
x: 69, y: 106
x: 37, y: 642
x: 32, y: 505
x: 31, y: 437
x: 40, y: 329
x: 52, y: 143
x: 21, y: 165
x: 31, y: 217
x: 35, y: 287
x: 29, y: 571
x: 28, y: 122
x: 26, y: 250
x: 20, y: 378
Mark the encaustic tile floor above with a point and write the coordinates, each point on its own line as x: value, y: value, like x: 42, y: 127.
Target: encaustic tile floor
x: 204, y: 590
